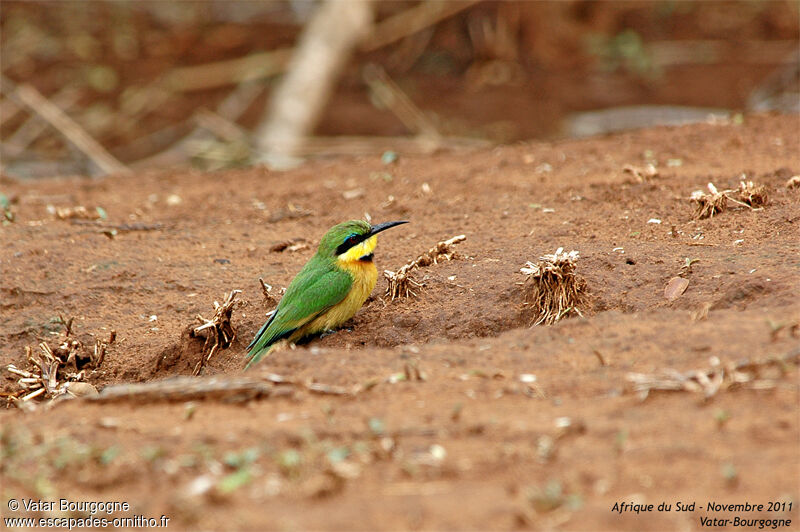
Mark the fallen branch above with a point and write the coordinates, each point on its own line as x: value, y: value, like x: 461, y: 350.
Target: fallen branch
x: 227, y: 389
x: 136, y: 226
x: 65, y: 125
x: 217, y: 388
x: 717, y: 377
x: 401, y: 282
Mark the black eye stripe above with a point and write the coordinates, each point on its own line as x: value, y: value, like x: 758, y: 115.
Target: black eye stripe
x: 349, y: 242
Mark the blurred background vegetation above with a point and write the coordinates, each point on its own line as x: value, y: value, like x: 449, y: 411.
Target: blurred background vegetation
x: 155, y: 84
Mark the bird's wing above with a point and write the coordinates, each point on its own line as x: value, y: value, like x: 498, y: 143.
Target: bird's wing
x: 309, y: 295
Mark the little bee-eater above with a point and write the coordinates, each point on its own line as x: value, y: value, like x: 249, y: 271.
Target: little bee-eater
x: 329, y: 289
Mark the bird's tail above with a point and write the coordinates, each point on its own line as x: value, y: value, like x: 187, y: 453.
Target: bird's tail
x: 258, y: 354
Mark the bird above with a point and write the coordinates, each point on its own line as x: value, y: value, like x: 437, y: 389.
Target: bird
x: 327, y: 291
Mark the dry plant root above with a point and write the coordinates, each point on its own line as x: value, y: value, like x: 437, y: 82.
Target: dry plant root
x: 552, y: 289
x: 758, y: 374
x: 58, y: 371
x: 401, y: 282
x: 748, y: 195
x: 709, y: 204
x: 753, y: 195
x: 218, y: 331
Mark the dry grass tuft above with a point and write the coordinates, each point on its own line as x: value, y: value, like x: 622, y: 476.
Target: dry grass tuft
x: 58, y: 371
x: 709, y: 204
x: 753, y: 195
x: 218, y: 331
x: 552, y: 289
x: 747, y: 195
x: 401, y: 282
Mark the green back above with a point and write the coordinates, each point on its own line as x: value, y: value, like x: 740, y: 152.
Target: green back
x: 319, y: 286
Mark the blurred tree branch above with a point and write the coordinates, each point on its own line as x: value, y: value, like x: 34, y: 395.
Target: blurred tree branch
x: 71, y: 130
x: 297, y: 102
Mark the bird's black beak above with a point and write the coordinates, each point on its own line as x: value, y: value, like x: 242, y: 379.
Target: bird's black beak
x: 384, y: 226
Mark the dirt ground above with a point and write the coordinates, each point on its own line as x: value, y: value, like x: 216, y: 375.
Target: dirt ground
x: 443, y: 425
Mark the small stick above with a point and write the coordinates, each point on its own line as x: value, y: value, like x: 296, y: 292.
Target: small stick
x: 35, y: 126
x: 21, y: 372
x: 393, y: 97
x: 231, y: 108
x: 33, y: 394
x: 411, y: 21
x: 220, y: 126
x: 230, y: 71
x: 265, y: 288
x: 65, y: 125
x: 119, y: 227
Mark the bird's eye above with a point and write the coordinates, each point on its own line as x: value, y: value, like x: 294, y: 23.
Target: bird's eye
x: 351, y: 240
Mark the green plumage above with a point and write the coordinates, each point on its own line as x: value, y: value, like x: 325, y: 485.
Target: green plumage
x: 320, y: 285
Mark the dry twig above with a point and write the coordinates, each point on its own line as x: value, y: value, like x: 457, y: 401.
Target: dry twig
x: 552, y: 289
x: 401, y: 282
x: 411, y: 21
x: 219, y: 331
x: 392, y: 97
x: 65, y: 125
x: 27, y: 133
x: 252, y: 67
x: 709, y: 381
